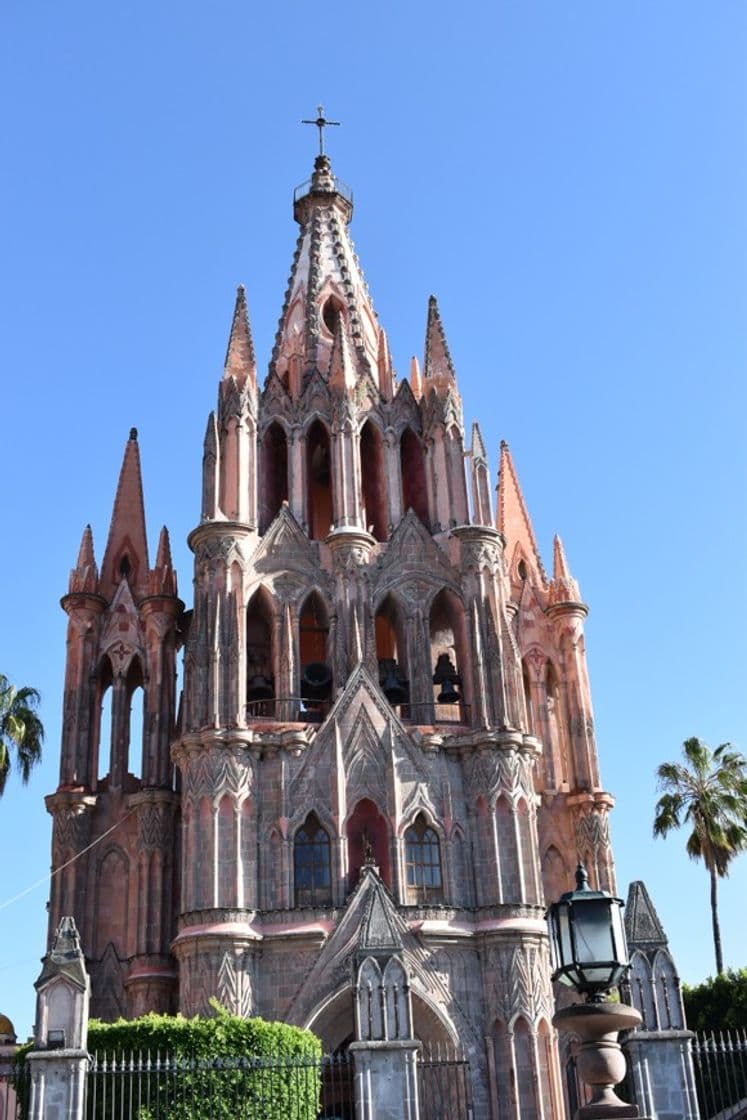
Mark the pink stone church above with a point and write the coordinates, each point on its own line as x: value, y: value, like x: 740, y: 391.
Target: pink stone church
x: 373, y: 720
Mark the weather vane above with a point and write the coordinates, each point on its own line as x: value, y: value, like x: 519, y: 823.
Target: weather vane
x: 321, y: 123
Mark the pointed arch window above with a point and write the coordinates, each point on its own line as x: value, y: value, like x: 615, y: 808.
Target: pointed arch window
x: 274, y: 474
x: 412, y: 463
x: 318, y: 481
x: 373, y: 480
x: 311, y: 864
x: 423, y: 863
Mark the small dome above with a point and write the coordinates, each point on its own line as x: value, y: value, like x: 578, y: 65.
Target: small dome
x: 7, y: 1030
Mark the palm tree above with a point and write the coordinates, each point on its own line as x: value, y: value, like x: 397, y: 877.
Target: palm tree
x: 708, y: 792
x: 21, y: 730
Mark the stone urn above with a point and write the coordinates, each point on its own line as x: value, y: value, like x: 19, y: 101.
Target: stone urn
x: 600, y: 1061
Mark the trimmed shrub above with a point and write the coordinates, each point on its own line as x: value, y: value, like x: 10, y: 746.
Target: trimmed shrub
x: 164, y: 1067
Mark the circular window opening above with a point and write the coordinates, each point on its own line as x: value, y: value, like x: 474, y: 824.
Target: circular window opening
x: 331, y: 312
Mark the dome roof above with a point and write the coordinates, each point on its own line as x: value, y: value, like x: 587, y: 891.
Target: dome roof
x: 7, y: 1030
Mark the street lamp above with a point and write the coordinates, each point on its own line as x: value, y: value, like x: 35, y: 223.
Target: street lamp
x: 588, y: 950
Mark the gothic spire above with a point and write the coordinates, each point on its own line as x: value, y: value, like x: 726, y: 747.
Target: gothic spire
x: 438, y: 366
x: 240, y: 360
x: 126, y: 555
x: 513, y: 519
x: 326, y: 283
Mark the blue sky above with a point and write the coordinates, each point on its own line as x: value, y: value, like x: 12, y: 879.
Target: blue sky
x: 568, y: 179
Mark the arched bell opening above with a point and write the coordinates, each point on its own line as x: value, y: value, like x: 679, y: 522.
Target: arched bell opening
x: 391, y: 654
x: 368, y: 842
x: 447, y: 645
x: 274, y: 475
x: 314, y: 659
x: 101, y: 738
x: 373, y: 481
x: 319, y: 504
x: 556, y: 726
x: 133, y: 743
x: 528, y: 703
x: 412, y: 463
x: 260, y: 657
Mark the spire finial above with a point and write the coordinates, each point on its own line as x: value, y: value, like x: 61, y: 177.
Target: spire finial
x: 321, y: 123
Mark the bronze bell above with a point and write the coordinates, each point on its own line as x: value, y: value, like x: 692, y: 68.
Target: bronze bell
x: 393, y: 687
x: 448, y: 694
x: 260, y: 688
x: 446, y: 675
x: 316, y: 681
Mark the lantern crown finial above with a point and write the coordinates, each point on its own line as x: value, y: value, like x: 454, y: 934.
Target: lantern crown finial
x: 582, y: 877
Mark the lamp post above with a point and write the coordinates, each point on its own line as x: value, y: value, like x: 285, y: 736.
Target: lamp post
x: 588, y: 951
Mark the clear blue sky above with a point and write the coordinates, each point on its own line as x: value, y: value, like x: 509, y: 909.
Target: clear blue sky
x: 568, y: 178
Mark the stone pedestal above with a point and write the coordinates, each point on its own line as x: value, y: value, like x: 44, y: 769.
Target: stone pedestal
x: 58, y: 1084
x: 600, y: 1061
x: 386, y: 1080
x: 661, y: 1070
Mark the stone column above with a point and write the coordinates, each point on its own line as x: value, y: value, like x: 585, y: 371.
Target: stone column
x: 59, y: 1060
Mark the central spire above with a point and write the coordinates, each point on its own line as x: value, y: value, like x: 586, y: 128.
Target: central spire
x: 327, y: 294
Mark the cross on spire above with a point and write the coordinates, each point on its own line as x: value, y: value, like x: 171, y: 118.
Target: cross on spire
x: 321, y: 123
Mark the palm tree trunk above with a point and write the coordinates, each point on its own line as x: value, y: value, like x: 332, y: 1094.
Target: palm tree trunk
x: 714, y: 920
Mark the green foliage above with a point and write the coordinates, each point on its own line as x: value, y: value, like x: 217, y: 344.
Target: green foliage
x: 718, y: 1003
x: 226, y: 1068
x: 21, y: 730
x: 221, y: 1068
x: 220, y: 1036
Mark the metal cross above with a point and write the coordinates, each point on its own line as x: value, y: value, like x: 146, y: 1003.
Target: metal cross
x: 321, y: 123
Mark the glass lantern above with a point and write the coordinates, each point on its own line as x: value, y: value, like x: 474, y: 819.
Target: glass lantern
x: 587, y: 939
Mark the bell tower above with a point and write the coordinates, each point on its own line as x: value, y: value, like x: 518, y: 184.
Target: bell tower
x: 115, y: 810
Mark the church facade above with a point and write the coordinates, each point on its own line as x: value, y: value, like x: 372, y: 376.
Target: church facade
x: 384, y: 707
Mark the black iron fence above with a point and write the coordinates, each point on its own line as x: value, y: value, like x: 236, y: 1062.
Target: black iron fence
x: 145, y: 1086
x: 444, y: 1083
x: 720, y: 1061
x: 148, y: 1086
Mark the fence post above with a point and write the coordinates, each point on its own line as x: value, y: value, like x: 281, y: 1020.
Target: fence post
x: 59, y: 1061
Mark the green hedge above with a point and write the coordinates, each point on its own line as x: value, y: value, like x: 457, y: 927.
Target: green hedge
x: 222, y: 1068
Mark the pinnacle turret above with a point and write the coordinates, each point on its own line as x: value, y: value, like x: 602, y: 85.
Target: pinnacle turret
x: 240, y: 360
x: 563, y: 587
x: 416, y: 378
x: 438, y: 366
x: 126, y: 555
x: 85, y: 576
x: 386, y: 373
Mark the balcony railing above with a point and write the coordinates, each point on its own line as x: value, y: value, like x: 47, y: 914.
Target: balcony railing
x: 296, y: 709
